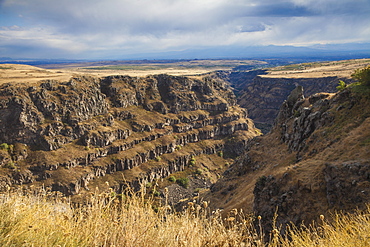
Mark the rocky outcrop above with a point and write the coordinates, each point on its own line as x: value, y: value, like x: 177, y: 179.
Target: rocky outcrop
x: 48, y: 116
x: 19, y: 117
x: 327, y: 175
x: 263, y: 96
x: 315, y: 160
x: 76, y: 132
x: 347, y: 184
x: 343, y: 186
x: 77, y: 100
x: 299, y: 118
x: 102, y: 138
x: 168, y: 94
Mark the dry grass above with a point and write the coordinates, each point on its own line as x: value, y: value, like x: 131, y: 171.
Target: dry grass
x: 111, y: 220
x: 345, y: 230
x: 30, y: 74
x: 343, y: 68
x: 63, y: 72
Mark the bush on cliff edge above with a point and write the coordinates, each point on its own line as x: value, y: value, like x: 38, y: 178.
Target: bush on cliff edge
x: 362, y: 75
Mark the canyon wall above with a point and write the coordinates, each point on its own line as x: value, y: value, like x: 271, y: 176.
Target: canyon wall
x: 315, y: 160
x: 263, y: 95
x: 73, y: 136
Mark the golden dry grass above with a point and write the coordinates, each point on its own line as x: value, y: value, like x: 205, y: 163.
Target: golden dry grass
x: 63, y: 72
x: 343, y: 68
x: 10, y: 73
x: 111, y: 220
x: 108, y: 220
x: 345, y: 230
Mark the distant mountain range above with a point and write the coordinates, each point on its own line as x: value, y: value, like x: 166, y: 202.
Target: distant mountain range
x: 319, y: 52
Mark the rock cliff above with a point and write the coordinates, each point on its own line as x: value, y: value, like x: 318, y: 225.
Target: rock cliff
x: 315, y: 160
x: 90, y: 132
x: 263, y: 96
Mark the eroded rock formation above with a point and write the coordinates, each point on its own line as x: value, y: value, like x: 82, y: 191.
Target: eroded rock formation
x: 314, y: 161
x: 72, y: 135
x: 263, y: 96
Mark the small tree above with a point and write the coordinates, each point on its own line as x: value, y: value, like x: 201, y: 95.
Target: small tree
x: 184, y: 182
x: 4, y: 146
x: 341, y: 85
x: 362, y: 75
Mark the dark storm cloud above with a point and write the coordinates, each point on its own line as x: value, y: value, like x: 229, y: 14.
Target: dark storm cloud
x: 95, y: 27
x: 283, y: 10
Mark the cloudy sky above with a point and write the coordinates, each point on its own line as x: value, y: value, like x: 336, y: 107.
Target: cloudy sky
x: 119, y: 29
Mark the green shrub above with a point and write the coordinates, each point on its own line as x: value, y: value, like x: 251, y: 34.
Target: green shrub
x: 197, y: 190
x: 221, y: 154
x: 341, y: 85
x: 199, y: 171
x: 192, y: 161
x: 148, y: 184
x: 172, y: 179
x: 155, y: 192
x: 184, y: 182
x: 362, y: 75
x: 4, y: 146
x: 158, y: 158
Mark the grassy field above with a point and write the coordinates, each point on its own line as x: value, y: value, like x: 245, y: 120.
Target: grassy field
x: 179, y: 65
x: 30, y: 74
x: 108, y: 219
x: 343, y: 68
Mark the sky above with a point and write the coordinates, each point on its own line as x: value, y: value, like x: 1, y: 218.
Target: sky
x: 123, y: 29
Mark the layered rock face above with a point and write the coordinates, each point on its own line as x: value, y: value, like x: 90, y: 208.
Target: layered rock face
x: 70, y: 136
x: 327, y: 134
x: 315, y: 160
x: 263, y: 96
x: 48, y: 116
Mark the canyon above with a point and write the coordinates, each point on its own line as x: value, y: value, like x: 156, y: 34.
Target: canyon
x: 262, y: 91
x: 73, y: 136
x: 187, y: 135
x: 315, y: 161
